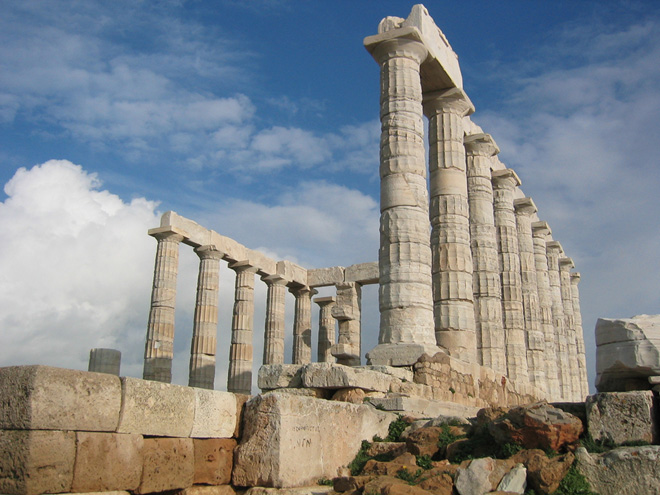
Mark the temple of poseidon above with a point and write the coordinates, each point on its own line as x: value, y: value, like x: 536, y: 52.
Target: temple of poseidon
x: 479, y: 311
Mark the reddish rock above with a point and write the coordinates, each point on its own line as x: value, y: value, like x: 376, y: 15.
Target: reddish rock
x: 393, y: 448
x: 440, y: 484
x: 214, y: 458
x: 352, y: 395
x: 391, y: 468
x: 490, y: 414
x: 424, y: 441
x: 343, y: 484
x: 168, y: 464
x: 544, y: 474
x: 537, y: 426
x: 388, y: 485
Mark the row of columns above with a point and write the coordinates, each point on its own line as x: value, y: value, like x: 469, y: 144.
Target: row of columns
x: 488, y: 283
x: 159, y: 347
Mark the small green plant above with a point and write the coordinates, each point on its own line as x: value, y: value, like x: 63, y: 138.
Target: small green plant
x: 550, y: 453
x: 380, y: 407
x: 357, y: 465
x: 451, y: 389
x: 396, y: 428
x: 377, y: 439
x: 447, y: 437
x: 510, y: 449
x: 574, y: 483
x: 325, y: 482
x: 408, y: 477
x: 596, y: 447
x: 424, y: 461
x: 531, y: 491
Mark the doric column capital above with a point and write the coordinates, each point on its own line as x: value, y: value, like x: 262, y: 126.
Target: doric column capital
x: 209, y: 252
x: 540, y: 229
x: 400, y: 47
x: 524, y: 206
x: 453, y: 100
x: 324, y: 301
x: 302, y: 291
x: 554, y: 246
x: 575, y: 278
x: 505, y: 179
x: 167, y: 233
x: 275, y: 280
x: 243, y: 266
x: 480, y: 144
x: 566, y: 263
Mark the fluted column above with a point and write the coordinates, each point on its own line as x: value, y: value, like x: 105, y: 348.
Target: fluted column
x: 274, y: 332
x: 205, y: 324
x: 504, y: 184
x: 239, y: 378
x: 327, y: 332
x: 558, y: 319
x: 565, y: 267
x: 405, y: 293
x: 540, y: 232
x: 159, y: 346
x: 486, y: 285
x: 104, y: 361
x: 302, y: 325
x: 525, y: 208
x: 453, y: 297
x: 579, y: 337
x: 347, y: 311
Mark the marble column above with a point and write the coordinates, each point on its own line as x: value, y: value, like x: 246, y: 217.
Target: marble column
x: 565, y: 267
x: 525, y: 208
x: 504, y: 185
x: 554, y: 251
x: 327, y: 329
x: 274, y: 332
x: 540, y: 233
x: 159, y: 346
x: 302, y: 325
x: 405, y: 291
x: 205, y: 324
x: 453, y: 296
x: 486, y: 285
x: 104, y: 361
x: 347, y: 312
x: 239, y: 378
x: 579, y: 337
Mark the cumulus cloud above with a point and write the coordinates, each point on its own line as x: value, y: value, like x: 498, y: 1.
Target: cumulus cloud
x: 76, y: 264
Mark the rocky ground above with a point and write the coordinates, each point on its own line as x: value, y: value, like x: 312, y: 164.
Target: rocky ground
x: 525, y: 450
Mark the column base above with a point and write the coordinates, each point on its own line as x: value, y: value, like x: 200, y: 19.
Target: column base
x: 400, y: 354
x: 346, y: 354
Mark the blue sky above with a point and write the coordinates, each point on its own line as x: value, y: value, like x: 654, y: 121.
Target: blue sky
x: 259, y: 119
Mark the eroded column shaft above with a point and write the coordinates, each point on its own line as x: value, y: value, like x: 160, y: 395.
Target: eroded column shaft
x: 302, y: 326
x: 327, y: 329
x: 159, y: 346
x: 553, y: 249
x: 565, y: 266
x: 504, y: 184
x: 274, y: 332
x: 579, y: 337
x: 239, y: 378
x: 104, y: 361
x: 347, y: 312
x: 205, y: 323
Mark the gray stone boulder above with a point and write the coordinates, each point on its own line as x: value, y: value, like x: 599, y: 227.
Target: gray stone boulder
x: 621, y: 417
x: 627, y: 353
x: 634, y: 470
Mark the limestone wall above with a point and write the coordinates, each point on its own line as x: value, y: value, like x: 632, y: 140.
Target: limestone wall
x: 73, y: 431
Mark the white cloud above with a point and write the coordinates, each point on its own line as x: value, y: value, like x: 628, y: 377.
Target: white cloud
x: 76, y: 265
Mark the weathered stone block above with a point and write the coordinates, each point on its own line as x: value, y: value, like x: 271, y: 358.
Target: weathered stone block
x: 289, y: 440
x: 363, y: 273
x: 322, y: 277
x: 215, y: 414
x: 168, y: 464
x: 622, y: 417
x: 214, y: 458
x: 107, y: 462
x: 155, y: 408
x: 272, y: 376
x: 305, y: 490
x: 335, y: 376
x: 47, y: 398
x: 208, y: 490
x: 35, y: 462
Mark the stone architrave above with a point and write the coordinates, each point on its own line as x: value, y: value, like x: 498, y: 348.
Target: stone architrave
x: 504, y: 184
x: 159, y: 346
x: 450, y: 224
x: 239, y: 378
x: 405, y: 293
x: 327, y: 330
x: 554, y: 250
x: 486, y: 284
x: 525, y: 208
x: 302, y: 325
x: 540, y: 233
x: 274, y: 332
x: 565, y: 266
x: 579, y: 336
x: 205, y: 325
x: 104, y: 361
x: 347, y: 312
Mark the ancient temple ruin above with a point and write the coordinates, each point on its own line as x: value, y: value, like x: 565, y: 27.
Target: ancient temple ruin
x: 466, y: 267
